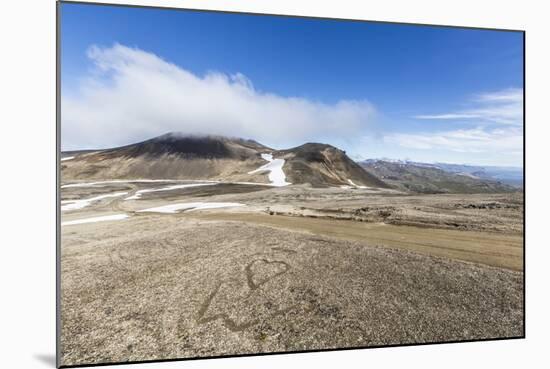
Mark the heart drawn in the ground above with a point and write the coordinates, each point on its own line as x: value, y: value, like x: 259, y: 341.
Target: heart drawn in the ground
x: 261, y: 271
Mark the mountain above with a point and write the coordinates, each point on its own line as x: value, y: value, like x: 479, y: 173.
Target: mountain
x: 321, y: 164
x: 512, y: 176
x: 431, y: 178
x: 190, y: 147
x: 171, y: 156
x: 177, y: 156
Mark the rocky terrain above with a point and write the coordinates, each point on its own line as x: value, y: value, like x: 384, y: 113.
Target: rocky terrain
x: 197, y: 247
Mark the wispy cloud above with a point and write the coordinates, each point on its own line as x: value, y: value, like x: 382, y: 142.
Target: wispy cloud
x: 511, y: 95
x: 132, y: 95
x: 447, y: 116
x: 496, y: 135
x: 477, y: 140
x: 502, y: 107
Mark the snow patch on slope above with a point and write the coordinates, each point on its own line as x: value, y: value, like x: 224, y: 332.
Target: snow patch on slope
x: 190, y: 206
x: 95, y: 219
x: 79, y: 204
x: 355, y: 185
x: 115, y: 181
x: 138, y: 193
x: 276, y: 174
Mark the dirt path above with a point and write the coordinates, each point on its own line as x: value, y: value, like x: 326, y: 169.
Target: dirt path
x: 505, y: 251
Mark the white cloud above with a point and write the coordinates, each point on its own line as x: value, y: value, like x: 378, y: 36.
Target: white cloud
x: 502, y: 107
x: 133, y: 95
x: 477, y: 140
x: 511, y: 95
x: 447, y: 116
x: 497, y: 137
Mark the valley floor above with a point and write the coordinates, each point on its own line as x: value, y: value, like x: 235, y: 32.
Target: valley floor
x: 290, y: 268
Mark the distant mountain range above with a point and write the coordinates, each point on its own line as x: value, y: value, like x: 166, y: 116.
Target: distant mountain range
x: 178, y: 156
x: 444, y: 178
x: 509, y: 175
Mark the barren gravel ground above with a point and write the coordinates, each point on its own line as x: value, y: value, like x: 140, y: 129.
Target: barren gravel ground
x: 235, y: 281
x: 494, y: 249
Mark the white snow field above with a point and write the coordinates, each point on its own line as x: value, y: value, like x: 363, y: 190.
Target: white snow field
x: 353, y: 184
x: 95, y: 219
x: 275, y: 167
x: 190, y: 206
x: 138, y: 193
x: 116, y: 181
x: 79, y: 204
x: 67, y: 158
x: 100, y: 183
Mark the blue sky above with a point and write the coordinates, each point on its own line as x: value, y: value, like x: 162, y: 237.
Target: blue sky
x: 376, y: 90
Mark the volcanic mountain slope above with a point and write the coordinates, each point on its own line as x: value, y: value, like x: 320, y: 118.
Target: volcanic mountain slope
x: 172, y: 156
x: 176, y: 156
x: 325, y: 165
x: 428, y: 178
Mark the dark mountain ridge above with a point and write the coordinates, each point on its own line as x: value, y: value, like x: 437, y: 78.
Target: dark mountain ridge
x: 179, y: 156
x: 190, y: 147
